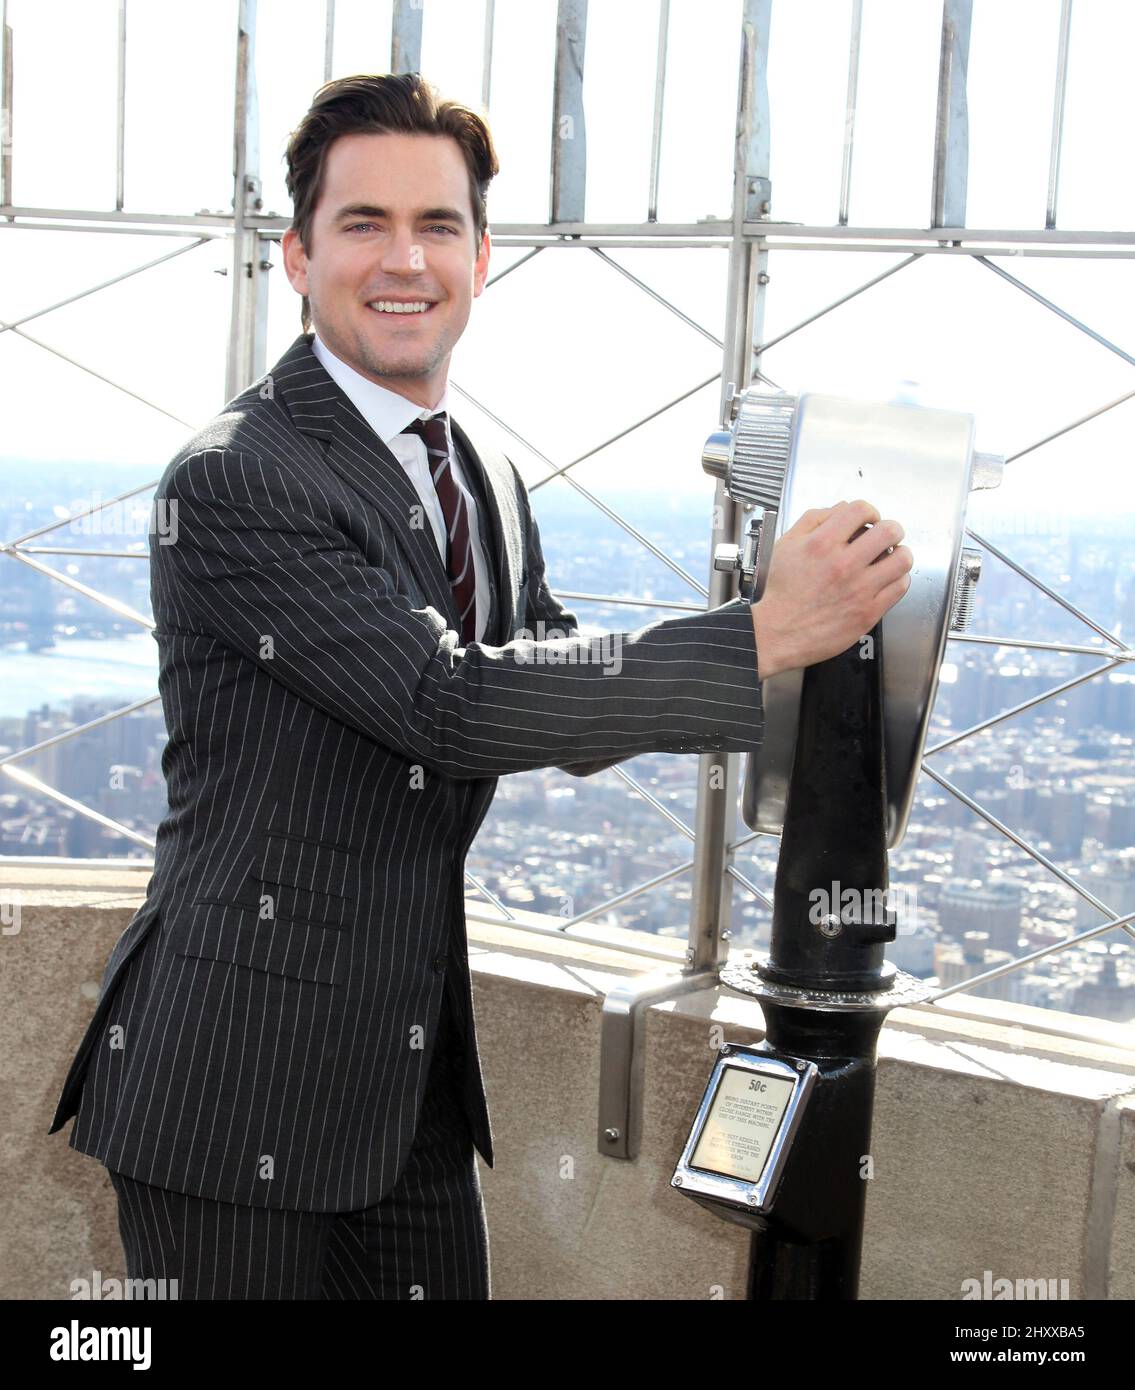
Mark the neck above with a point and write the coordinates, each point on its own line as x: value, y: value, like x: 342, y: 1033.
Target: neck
x: 425, y: 391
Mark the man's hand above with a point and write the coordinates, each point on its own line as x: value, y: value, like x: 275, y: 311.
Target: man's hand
x: 833, y: 575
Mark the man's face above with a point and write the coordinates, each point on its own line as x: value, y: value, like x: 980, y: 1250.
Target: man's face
x: 394, y: 223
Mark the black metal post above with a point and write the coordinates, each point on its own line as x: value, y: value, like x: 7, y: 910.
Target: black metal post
x: 829, y: 931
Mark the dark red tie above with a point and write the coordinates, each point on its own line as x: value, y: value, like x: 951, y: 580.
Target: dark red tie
x: 459, y: 551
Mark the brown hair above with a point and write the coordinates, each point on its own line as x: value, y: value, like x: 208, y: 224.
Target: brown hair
x: 377, y: 103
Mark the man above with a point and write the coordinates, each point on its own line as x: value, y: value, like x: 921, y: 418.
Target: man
x: 282, y: 1072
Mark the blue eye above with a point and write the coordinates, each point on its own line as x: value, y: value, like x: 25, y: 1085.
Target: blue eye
x: 369, y: 226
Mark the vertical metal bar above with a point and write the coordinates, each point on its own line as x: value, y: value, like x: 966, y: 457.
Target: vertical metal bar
x: 1058, y: 113
x: 487, y: 54
x: 6, y: 112
x: 569, y: 133
x: 250, y: 263
x: 850, y: 109
x: 951, y: 133
x: 120, y: 144
x: 328, y: 39
x: 715, y: 817
x: 406, y: 36
x: 659, y: 99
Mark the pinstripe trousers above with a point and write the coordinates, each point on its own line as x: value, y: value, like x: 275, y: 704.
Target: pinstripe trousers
x: 427, y: 1238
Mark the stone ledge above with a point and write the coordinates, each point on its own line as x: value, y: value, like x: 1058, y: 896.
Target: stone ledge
x: 1001, y: 1142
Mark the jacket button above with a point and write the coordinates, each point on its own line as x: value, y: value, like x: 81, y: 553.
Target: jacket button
x: 440, y: 963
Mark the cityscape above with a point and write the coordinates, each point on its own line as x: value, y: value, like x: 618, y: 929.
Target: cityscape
x: 1061, y: 775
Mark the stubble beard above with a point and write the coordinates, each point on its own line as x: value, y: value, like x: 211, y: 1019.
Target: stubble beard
x: 418, y: 364
x: 356, y: 349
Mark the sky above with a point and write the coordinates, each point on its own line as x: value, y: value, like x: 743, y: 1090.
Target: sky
x: 568, y: 351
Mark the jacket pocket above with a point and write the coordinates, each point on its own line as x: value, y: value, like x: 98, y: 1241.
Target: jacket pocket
x: 290, y: 917
x: 278, y: 945
x: 317, y: 867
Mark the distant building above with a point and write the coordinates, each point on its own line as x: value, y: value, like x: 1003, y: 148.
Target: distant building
x: 971, y: 856
x: 1105, y: 996
x: 1111, y: 877
x: 994, y: 908
x: 958, y: 961
x: 1120, y: 829
x: 1061, y: 811
x: 913, y: 952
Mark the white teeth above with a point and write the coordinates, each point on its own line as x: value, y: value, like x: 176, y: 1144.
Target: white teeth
x: 390, y: 306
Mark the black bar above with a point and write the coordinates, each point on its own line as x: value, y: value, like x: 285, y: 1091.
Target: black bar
x: 834, y: 839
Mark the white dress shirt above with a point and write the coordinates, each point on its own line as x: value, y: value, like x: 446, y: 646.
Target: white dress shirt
x: 388, y: 414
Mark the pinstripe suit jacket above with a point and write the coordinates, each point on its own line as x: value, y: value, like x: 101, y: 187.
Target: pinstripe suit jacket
x: 265, y: 1023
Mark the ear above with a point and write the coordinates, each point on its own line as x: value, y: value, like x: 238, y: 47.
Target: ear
x: 295, y: 261
x: 481, y: 265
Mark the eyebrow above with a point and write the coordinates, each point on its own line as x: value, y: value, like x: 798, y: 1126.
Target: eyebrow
x: 441, y: 214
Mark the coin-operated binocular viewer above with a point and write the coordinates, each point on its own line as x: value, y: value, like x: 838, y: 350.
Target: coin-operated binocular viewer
x: 781, y: 1139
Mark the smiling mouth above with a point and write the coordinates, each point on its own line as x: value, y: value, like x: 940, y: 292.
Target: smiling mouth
x: 401, y: 309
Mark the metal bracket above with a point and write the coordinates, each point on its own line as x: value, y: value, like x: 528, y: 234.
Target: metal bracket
x: 765, y: 529
x: 621, y: 1054
x: 758, y: 198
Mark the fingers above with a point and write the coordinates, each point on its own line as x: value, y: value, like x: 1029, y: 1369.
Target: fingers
x: 869, y: 545
x: 847, y: 518
x: 891, y: 569
x: 888, y: 596
x: 809, y: 520
x: 875, y: 541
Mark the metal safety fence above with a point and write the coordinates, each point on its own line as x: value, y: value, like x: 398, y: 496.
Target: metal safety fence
x: 750, y: 238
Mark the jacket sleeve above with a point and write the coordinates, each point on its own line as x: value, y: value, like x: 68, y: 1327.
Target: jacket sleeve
x: 260, y: 563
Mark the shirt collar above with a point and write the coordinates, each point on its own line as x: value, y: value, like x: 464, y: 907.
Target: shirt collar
x: 385, y: 411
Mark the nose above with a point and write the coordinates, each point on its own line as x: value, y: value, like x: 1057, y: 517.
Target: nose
x: 402, y: 253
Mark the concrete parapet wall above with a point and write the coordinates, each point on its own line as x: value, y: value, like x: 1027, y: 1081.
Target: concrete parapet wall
x: 1004, y: 1137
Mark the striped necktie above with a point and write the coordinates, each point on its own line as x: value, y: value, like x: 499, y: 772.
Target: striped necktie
x: 459, y: 550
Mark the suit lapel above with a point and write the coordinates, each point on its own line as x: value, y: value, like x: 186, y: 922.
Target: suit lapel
x: 363, y: 460
x: 319, y: 408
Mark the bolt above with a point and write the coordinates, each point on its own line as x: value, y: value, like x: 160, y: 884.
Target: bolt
x: 726, y: 934
x: 611, y: 1134
x: 763, y: 278
x: 675, y: 1182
